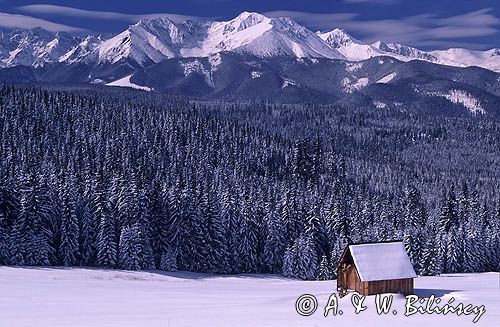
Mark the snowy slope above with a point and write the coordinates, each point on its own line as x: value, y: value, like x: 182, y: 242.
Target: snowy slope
x: 250, y: 33
x: 356, y: 50
x: 489, y: 59
x: 463, y: 98
x: 151, y: 41
x: 348, y: 46
x: 145, y: 42
x: 82, y: 51
x: 33, y: 47
x: 125, y: 82
x: 62, y: 297
x: 403, y: 52
x: 261, y: 36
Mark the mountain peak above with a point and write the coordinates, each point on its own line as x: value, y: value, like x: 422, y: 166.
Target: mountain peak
x: 337, y: 38
x: 244, y: 20
x: 379, y: 45
x: 155, y: 23
x: 251, y: 15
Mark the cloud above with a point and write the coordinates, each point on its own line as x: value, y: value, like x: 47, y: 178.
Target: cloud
x: 27, y: 22
x: 418, y: 30
x: 422, y: 30
x: 92, y: 14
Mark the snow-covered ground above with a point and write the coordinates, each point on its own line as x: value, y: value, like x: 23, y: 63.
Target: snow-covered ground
x: 77, y: 297
x: 125, y: 82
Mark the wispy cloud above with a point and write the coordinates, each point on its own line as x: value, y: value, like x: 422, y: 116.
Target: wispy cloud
x: 27, y: 22
x: 423, y: 30
x: 419, y: 30
x: 92, y: 14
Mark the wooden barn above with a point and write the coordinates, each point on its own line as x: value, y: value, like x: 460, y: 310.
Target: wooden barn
x: 375, y: 268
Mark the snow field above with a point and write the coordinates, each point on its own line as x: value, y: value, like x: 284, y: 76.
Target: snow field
x: 57, y: 297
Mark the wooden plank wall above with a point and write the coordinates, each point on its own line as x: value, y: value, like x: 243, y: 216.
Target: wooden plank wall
x: 404, y: 286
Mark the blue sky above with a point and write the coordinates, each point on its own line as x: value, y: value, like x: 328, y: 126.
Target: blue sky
x: 427, y: 24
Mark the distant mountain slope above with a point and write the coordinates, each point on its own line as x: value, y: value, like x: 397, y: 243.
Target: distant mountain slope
x: 381, y: 82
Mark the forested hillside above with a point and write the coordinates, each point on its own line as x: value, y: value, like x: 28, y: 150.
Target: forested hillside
x: 153, y: 182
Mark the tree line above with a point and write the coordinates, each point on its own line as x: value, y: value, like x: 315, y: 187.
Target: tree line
x: 89, y: 180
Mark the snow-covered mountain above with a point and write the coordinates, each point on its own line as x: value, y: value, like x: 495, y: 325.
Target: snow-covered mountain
x: 355, y: 50
x: 351, y: 48
x: 33, y: 47
x: 261, y: 36
x: 82, y: 51
x: 154, y: 40
x: 151, y: 41
x: 403, y: 52
x: 460, y: 57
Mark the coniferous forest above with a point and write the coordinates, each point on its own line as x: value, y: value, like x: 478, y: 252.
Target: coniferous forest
x: 133, y: 180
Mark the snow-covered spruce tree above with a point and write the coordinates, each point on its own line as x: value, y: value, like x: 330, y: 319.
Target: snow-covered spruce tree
x: 448, y: 215
x: 31, y: 234
x: 163, y: 212
x: 289, y: 261
x: 158, y: 216
x: 340, y: 221
x: 430, y: 261
x: 335, y: 254
x: 274, y: 245
x: 463, y: 204
x: 107, y: 247
x: 315, y: 229
x: 168, y: 261
x: 324, y: 271
x: 69, y: 230
x: 247, y: 239
x: 471, y: 257
x: 300, y: 260
x: 130, y: 248
x: 88, y: 234
x: 217, y: 247
x: 231, y: 218
x: 291, y: 213
x: 308, y: 259
x: 4, y: 245
x: 9, y: 206
x: 331, y: 215
x: 187, y: 237
x: 197, y: 255
x: 448, y: 226
x: 16, y: 250
x: 91, y: 224
x: 454, y: 255
x: 492, y: 233
x: 414, y: 223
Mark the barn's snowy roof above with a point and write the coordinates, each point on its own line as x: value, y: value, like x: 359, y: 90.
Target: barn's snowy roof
x: 381, y: 261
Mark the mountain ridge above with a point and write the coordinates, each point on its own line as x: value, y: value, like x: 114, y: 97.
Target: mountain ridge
x: 151, y: 41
